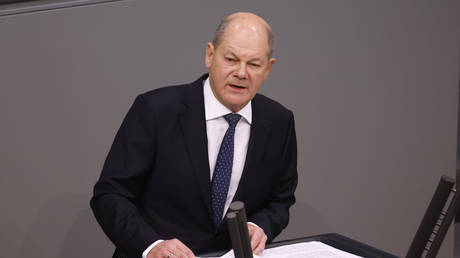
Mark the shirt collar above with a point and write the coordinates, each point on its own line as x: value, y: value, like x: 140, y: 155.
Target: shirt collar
x: 214, y: 109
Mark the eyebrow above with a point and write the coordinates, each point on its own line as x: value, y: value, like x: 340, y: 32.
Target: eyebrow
x: 231, y: 53
x: 255, y: 59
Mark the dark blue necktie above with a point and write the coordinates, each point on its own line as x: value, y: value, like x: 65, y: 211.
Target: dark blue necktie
x: 223, y: 169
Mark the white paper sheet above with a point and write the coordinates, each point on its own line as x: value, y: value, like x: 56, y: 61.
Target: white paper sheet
x: 313, y: 249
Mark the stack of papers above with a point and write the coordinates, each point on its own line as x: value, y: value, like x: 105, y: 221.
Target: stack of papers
x: 313, y: 249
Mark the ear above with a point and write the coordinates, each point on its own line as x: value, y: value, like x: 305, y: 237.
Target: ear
x: 271, y: 62
x: 209, y: 55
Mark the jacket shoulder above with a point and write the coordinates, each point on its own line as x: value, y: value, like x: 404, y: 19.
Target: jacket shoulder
x: 270, y: 108
x: 164, y: 95
x: 175, y: 95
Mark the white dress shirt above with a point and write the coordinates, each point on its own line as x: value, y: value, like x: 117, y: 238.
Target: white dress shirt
x: 216, y: 126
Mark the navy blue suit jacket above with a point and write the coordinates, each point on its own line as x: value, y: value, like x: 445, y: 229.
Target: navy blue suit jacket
x: 155, y: 183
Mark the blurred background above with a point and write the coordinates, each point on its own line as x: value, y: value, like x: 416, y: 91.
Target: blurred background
x: 373, y: 86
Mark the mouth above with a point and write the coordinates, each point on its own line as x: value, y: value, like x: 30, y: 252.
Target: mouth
x: 236, y: 86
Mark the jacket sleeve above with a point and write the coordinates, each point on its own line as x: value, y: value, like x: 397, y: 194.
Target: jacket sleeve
x: 274, y: 216
x: 118, y: 190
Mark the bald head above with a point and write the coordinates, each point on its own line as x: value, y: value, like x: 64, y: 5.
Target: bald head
x: 244, y: 20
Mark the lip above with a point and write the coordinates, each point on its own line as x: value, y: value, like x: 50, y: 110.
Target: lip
x: 236, y: 86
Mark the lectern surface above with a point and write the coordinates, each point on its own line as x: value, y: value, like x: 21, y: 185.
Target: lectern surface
x: 335, y: 240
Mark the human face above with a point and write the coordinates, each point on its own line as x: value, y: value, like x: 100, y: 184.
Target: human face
x: 238, y: 66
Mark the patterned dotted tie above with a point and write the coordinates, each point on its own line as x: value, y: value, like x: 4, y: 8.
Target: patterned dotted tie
x: 223, y: 169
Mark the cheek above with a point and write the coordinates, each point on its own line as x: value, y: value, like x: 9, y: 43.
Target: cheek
x: 221, y: 71
x: 256, y: 78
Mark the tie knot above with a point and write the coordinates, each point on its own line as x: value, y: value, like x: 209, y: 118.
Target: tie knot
x: 232, y: 119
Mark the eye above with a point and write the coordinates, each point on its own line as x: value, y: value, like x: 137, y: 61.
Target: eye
x: 254, y: 65
x: 230, y: 60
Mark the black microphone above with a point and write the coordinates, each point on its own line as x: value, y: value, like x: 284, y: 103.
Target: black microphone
x: 237, y: 208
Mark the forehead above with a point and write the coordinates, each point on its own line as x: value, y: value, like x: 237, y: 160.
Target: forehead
x: 248, y: 41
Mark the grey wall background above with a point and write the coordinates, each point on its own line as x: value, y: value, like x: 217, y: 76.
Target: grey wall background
x: 373, y: 85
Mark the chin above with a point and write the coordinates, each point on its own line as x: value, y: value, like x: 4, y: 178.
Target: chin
x: 237, y: 107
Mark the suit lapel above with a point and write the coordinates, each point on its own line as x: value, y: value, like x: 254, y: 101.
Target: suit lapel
x: 193, y: 125
x: 260, y: 128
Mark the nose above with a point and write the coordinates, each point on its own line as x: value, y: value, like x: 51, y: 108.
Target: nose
x: 241, y: 72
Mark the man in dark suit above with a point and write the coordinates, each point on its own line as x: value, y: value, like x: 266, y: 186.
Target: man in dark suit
x: 184, y: 153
